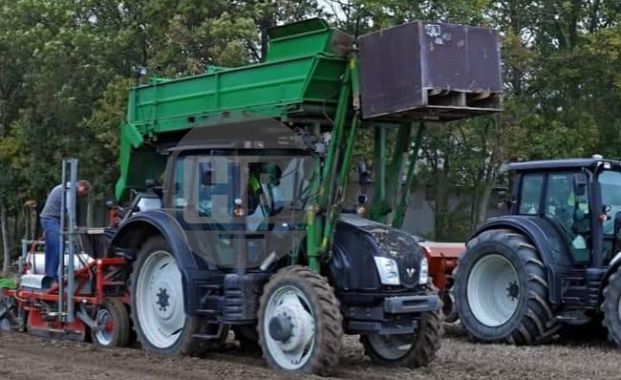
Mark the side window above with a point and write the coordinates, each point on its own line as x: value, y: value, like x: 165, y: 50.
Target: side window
x: 560, y: 199
x: 205, y: 186
x: 218, y: 186
x: 178, y: 197
x: 611, y: 196
x: 532, y: 185
x: 570, y: 211
x: 563, y: 203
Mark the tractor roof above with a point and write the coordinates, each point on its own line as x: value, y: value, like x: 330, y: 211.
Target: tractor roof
x: 570, y: 163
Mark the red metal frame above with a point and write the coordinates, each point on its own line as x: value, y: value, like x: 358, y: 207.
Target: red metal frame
x: 442, y: 258
x: 37, y: 325
x: 82, y: 277
x: 27, y: 300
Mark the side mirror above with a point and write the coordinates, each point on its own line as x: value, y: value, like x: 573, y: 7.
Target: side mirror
x: 110, y: 204
x: 580, y: 184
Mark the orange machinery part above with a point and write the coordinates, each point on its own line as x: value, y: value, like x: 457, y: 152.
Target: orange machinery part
x: 442, y: 258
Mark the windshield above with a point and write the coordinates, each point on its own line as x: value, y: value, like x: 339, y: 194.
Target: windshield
x: 610, y: 182
x: 237, y: 209
x: 262, y: 186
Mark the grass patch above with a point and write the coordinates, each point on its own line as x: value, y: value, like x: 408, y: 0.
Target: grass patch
x: 9, y: 283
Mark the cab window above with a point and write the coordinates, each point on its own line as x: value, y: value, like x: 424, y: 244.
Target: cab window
x: 532, y: 185
x: 610, y: 182
x: 570, y: 211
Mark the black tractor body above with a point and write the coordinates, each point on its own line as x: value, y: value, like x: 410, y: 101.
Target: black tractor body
x: 547, y: 263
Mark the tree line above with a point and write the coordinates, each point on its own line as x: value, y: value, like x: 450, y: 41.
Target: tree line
x: 66, y: 67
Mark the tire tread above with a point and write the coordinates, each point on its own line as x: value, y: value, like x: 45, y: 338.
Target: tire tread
x: 537, y: 322
x: 330, y: 320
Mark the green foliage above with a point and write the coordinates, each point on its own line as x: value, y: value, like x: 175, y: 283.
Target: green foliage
x: 8, y: 283
x: 65, y: 67
x: 560, y: 69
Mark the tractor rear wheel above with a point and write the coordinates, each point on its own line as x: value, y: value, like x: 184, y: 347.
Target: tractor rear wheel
x: 501, y: 290
x: 157, y: 303
x: 611, y: 307
x: 300, y: 323
x: 412, y: 350
x: 113, y: 322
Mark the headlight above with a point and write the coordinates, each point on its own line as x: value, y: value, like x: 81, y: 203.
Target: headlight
x: 423, y: 277
x: 388, y: 270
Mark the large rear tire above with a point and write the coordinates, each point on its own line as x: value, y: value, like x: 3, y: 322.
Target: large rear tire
x: 300, y: 323
x: 157, y: 303
x: 611, y: 307
x: 501, y: 290
x: 411, y: 350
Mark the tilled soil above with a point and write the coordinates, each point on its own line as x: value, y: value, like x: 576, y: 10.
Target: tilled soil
x: 26, y: 357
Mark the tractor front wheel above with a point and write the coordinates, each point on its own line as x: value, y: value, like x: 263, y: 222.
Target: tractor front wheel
x: 300, y: 324
x: 411, y: 350
x: 611, y: 307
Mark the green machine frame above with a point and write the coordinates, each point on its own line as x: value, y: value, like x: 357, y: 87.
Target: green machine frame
x: 311, y: 71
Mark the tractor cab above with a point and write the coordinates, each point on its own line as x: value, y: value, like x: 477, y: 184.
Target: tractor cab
x: 554, y: 262
x: 580, y: 198
x: 240, y: 199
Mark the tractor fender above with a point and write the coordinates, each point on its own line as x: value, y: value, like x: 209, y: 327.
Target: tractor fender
x: 137, y: 229
x: 542, y: 234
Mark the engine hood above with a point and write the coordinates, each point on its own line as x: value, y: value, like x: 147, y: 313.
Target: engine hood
x: 357, y: 241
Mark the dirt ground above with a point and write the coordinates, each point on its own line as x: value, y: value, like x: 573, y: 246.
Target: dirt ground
x: 27, y: 357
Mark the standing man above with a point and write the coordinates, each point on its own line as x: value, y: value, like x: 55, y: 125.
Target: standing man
x: 50, y: 222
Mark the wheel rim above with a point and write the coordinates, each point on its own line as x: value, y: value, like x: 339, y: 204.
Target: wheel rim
x: 493, y: 290
x: 291, y: 304
x: 104, y: 333
x: 159, y: 300
x: 391, y: 347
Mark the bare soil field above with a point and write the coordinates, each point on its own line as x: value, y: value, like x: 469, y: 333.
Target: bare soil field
x: 26, y: 357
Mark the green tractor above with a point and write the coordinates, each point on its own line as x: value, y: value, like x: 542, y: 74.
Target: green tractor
x: 552, y: 266
x: 238, y: 186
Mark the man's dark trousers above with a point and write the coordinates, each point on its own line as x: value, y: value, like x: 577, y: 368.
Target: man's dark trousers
x: 51, y: 229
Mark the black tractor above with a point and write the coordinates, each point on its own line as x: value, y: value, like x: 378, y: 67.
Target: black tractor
x: 553, y: 264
